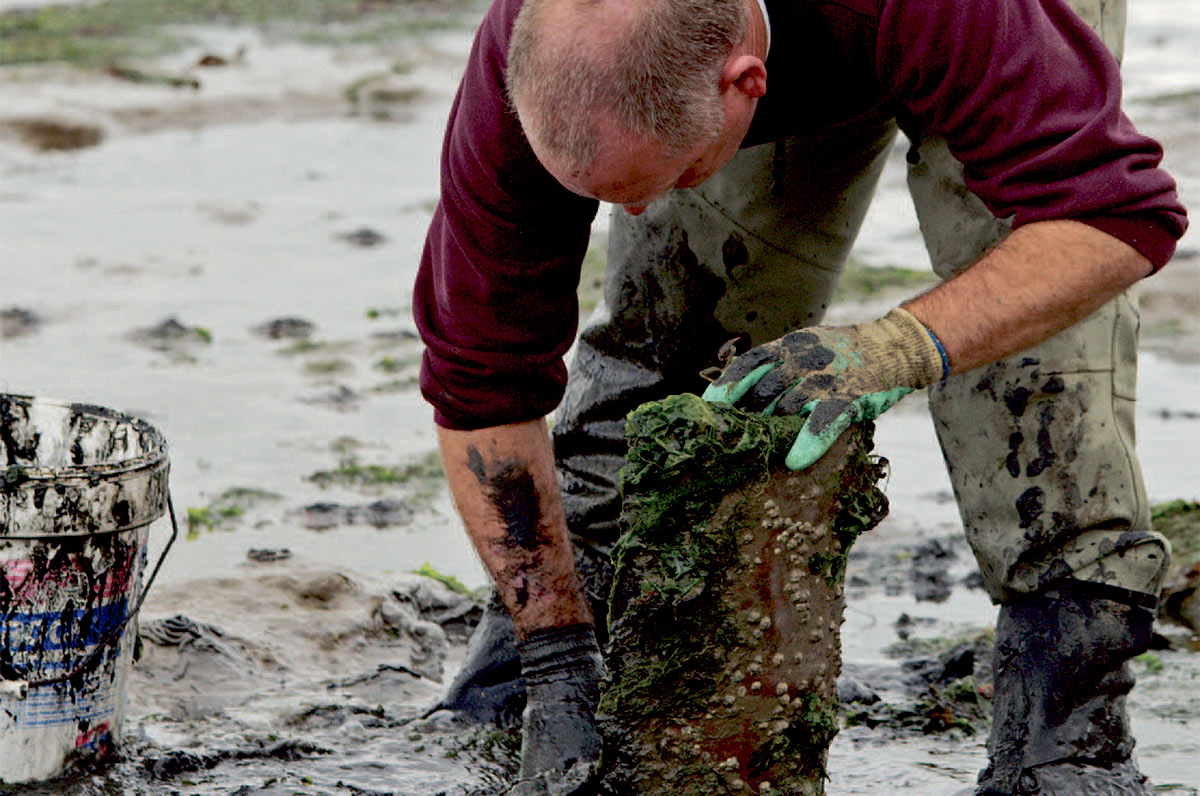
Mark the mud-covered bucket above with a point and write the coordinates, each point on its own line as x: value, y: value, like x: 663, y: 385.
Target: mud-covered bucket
x: 79, y: 487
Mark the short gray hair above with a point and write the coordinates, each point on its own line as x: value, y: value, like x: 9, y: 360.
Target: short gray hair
x: 657, y: 77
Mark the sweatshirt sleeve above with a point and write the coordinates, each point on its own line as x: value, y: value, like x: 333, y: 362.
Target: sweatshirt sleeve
x: 1029, y: 100
x: 495, y: 296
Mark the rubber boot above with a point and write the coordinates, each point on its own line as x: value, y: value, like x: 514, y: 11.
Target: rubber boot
x: 488, y: 688
x: 1061, y: 677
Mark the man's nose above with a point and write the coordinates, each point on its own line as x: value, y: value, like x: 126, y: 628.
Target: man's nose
x: 634, y: 210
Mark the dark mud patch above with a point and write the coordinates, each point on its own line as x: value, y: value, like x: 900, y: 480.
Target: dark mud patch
x: 286, y: 328
x: 928, y: 569
x: 931, y: 571
x: 173, y: 337
x: 939, y: 685
x: 383, y: 513
x: 52, y: 135
x: 17, y: 322
x: 363, y: 238
x: 384, y: 97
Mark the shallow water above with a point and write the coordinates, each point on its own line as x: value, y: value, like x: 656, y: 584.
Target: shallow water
x: 226, y: 227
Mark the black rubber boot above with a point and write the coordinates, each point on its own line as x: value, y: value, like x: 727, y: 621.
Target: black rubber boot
x: 1061, y: 678
x: 488, y: 688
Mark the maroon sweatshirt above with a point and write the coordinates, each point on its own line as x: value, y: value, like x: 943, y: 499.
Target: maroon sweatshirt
x: 1027, y: 97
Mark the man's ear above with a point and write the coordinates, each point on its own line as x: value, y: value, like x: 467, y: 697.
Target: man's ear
x: 745, y: 73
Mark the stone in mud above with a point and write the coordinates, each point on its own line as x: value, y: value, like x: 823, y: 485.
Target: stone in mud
x: 727, y: 602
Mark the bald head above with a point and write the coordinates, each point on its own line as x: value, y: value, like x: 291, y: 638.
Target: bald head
x: 578, y: 69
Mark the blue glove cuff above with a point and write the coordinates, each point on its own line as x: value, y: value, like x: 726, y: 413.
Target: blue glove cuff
x: 942, y: 351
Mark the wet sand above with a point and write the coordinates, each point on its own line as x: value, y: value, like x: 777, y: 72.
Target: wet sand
x: 267, y: 195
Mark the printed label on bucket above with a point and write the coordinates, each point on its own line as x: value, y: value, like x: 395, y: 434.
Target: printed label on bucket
x: 54, y: 611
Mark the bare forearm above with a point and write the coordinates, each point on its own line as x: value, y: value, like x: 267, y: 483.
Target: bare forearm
x: 503, y: 483
x: 1043, y: 278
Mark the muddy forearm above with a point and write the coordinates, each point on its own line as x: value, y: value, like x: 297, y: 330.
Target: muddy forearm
x: 504, y: 485
x: 1041, y: 279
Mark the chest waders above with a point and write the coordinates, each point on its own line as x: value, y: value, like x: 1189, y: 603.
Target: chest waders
x: 1039, y: 446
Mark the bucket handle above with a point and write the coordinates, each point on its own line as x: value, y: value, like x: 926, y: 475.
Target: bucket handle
x: 20, y: 688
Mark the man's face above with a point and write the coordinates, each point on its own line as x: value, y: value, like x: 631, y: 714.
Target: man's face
x: 633, y: 171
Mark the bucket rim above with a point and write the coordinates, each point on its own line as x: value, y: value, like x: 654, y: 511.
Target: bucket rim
x: 15, y: 476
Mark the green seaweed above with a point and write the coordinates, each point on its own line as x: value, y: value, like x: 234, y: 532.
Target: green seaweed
x: 96, y: 34
x: 222, y: 511
x: 684, y: 455
x: 1179, y: 521
x: 936, y: 646
x: 861, y: 282
x: 351, y: 473
x: 1151, y: 663
x: 449, y: 581
x: 328, y: 367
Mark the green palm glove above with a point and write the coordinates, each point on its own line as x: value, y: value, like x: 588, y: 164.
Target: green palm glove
x: 836, y: 375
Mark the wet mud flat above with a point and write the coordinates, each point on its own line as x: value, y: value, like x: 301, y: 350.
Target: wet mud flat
x: 286, y: 676
x: 233, y: 262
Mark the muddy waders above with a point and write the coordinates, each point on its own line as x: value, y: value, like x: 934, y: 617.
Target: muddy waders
x: 1039, y: 446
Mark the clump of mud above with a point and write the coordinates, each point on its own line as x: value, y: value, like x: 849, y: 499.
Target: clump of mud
x: 286, y: 328
x: 18, y: 321
x: 174, y: 338
x: 53, y: 135
x: 382, y: 513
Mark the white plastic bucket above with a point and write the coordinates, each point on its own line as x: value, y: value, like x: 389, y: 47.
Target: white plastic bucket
x: 79, y: 487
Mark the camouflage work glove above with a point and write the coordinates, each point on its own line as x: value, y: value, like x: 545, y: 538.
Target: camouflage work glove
x: 562, y: 669
x: 836, y: 375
